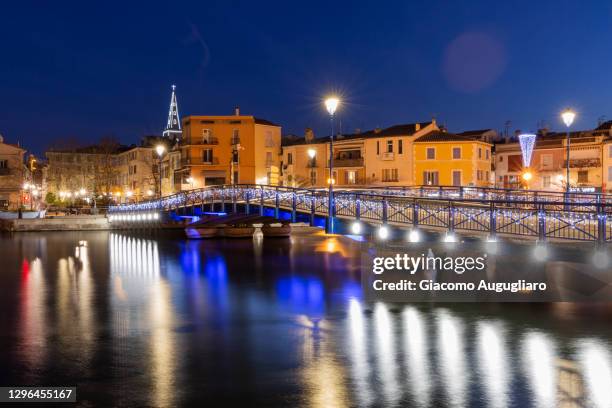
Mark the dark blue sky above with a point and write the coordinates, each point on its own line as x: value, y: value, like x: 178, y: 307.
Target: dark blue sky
x: 79, y: 70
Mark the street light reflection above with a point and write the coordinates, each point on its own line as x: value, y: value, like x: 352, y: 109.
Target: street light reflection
x: 493, y: 362
x: 451, y: 352
x: 417, y: 355
x: 538, y: 353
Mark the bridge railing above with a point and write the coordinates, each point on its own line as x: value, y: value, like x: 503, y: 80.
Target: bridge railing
x: 542, y: 218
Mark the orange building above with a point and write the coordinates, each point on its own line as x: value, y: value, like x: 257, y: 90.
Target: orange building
x: 230, y: 149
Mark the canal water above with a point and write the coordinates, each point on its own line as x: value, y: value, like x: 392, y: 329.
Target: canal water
x: 162, y: 321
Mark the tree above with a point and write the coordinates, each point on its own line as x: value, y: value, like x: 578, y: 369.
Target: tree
x: 50, y: 198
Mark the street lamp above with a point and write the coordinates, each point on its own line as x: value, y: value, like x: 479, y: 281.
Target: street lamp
x: 312, y: 153
x: 568, y: 117
x: 331, y: 104
x: 160, y: 149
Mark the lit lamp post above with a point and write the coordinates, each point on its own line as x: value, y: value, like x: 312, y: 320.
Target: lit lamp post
x: 190, y: 181
x: 568, y: 117
x: 160, y: 149
x: 331, y: 104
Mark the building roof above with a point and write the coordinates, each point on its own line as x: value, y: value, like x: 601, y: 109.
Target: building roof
x: 607, y: 125
x: 441, y: 136
x: 396, y: 130
x: 261, y: 121
x: 472, y: 133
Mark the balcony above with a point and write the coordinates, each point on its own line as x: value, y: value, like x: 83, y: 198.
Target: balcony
x: 5, y: 171
x: 191, y: 161
x: 387, y: 156
x: 358, y: 162
x: 199, y: 142
x: 583, y: 163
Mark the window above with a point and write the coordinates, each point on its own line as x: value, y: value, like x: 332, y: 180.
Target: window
x: 583, y: 176
x: 235, y: 157
x: 400, y: 147
x: 487, y: 154
x: 350, y: 177
x: 269, y: 139
x: 3, y: 164
x: 547, y: 161
x: 610, y: 173
x: 456, y: 152
x: 289, y: 158
x: 431, y: 153
x: 430, y: 178
x: 313, y: 177
x: 206, y: 135
x: 390, y: 175
x: 480, y: 152
x: 268, y: 159
x: 610, y: 151
x: 207, y: 155
x: 479, y: 175
x: 456, y: 178
x: 546, y: 181
x: 389, y: 146
x: 501, y: 159
x: 377, y: 147
x: 487, y: 178
x: 235, y: 136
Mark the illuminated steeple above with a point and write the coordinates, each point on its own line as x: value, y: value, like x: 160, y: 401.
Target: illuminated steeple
x: 173, y: 127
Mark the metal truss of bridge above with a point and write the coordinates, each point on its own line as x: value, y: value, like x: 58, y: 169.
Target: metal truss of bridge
x: 518, y: 213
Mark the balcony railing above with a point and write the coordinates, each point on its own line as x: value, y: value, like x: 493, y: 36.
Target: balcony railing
x: 190, y: 161
x: 348, y: 162
x: 387, y: 156
x: 5, y: 171
x: 197, y: 142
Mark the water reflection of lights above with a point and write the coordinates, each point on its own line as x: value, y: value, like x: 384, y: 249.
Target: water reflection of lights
x: 359, y: 354
x: 133, y: 257
x: 32, y: 322
x: 596, y: 363
x: 387, y: 367
x: 601, y: 259
x: 493, y: 362
x: 540, y: 252
x: 163, y: 353
x: 538, y: 353
x: 417, y: 355
x: 414, y: 236
x: 451, y: 354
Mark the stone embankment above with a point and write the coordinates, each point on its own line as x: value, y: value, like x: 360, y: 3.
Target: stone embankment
x: 66, y: 223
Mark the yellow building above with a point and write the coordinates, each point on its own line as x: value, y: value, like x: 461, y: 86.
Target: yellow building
x: 378, y: 157
x: 447, y: 159
x: 225, y: 149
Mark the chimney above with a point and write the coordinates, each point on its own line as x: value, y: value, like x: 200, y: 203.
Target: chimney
x: 377, y: 130
x: 237, y: 111
x: 417, y: 127
x: 308, y: 135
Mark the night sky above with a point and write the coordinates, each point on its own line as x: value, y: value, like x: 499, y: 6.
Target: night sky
x: 82, y: 71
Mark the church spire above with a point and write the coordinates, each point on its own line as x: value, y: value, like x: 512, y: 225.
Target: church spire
x: 173, y: 127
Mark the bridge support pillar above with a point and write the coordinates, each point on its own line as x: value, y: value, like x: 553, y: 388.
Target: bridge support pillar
x: 313, y: 206
x: 222, y: 199
x: 261, y: 201
x: 293, y: 206
x: 234, y: 209
x: 357, y: 207
x: 601, y: 222
x: 385, y: 210
x: 248, y: 202
x: 415, y: 213
x: 451, y: 217
x: 541, y: 223
x: 492, y: 221
x: 276, y: 203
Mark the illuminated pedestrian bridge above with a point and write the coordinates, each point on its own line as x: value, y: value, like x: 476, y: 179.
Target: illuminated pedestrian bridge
x: 487, y: 212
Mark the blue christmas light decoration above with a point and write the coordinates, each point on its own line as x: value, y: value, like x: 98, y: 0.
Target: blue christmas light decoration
x: 527, y: 142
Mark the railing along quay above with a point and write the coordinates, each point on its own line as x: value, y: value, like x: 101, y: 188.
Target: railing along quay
x: 584, y: 217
